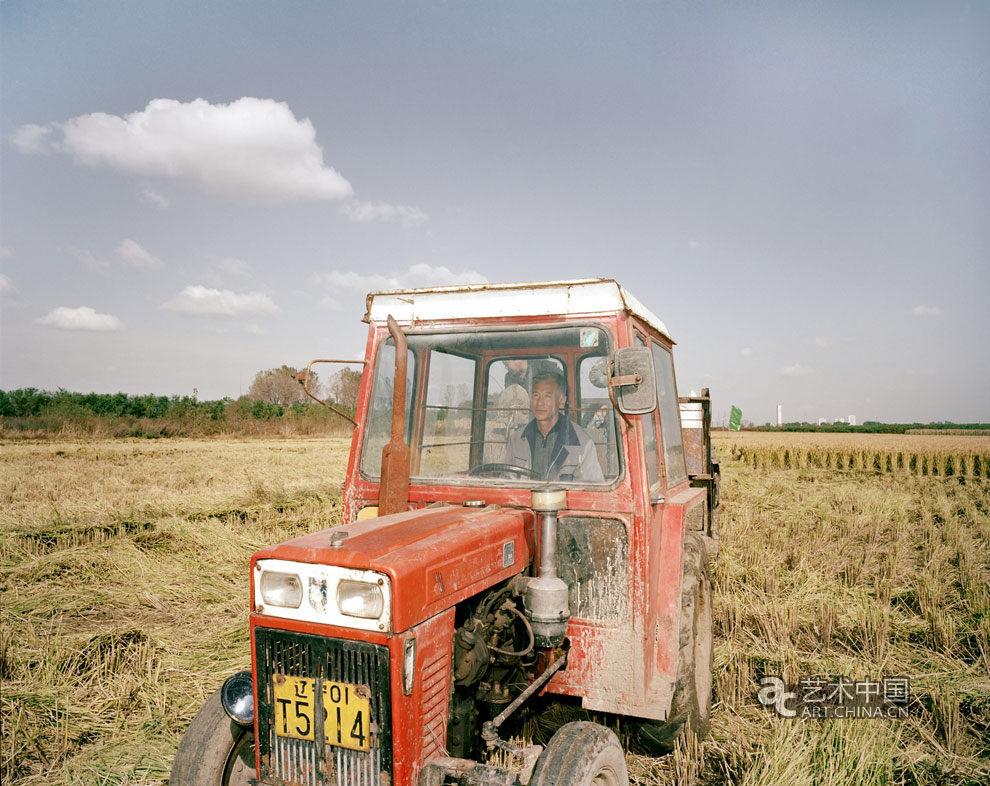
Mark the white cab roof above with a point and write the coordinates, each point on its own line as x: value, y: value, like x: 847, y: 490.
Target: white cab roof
x: 477, y: 301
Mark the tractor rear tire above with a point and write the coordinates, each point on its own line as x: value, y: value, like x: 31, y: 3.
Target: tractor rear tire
x: 690, y: 707
x: 582, y: 754
x: 215, y: 751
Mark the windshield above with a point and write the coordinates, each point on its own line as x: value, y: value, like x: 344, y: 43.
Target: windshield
x: 505, y: 406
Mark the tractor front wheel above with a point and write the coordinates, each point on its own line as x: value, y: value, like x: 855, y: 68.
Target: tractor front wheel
x: 582, y: 754
x: 215, y: 751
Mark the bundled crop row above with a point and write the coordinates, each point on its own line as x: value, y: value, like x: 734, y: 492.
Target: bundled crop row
x: 974, y: 463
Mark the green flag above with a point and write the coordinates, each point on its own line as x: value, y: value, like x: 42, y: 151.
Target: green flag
x: 735, y: 419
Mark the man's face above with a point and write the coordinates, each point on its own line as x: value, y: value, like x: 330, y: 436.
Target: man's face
x: 546, y: 402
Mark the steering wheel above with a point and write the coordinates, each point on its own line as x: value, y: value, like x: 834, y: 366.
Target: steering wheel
x: 496, y: 470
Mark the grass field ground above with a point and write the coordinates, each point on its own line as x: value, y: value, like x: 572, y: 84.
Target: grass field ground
x: 123, y: 597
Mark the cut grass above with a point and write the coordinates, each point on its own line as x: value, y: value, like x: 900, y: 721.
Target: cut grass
x: 124, y: 592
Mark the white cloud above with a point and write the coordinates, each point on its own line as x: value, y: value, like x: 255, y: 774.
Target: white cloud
x: 254, y: 330
x: 361, y: 282
x: 421, y: 275
x: 82, y: 318
x: 234, y: 267
x: 796, y: 370
x: 250, y: 147
x: 6, y: 285
x: 132, y: 253
x: 200, y: 301
x: 369, y: 212
x: 32, y: 139
x: 220, y: 270
x: 6, y: 253
x: 88, y: 259
x: 819, y: 342
x: 926, y: 311
x: 155, y: 198
x: 747, y: 352
x: 698, y: 245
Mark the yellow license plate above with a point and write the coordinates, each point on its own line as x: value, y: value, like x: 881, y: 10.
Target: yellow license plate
x: 346, y: 711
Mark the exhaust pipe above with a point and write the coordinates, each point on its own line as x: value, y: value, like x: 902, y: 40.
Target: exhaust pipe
x: 394, y: 492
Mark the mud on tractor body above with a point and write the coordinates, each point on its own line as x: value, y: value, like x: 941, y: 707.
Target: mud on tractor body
x: 526, y: 516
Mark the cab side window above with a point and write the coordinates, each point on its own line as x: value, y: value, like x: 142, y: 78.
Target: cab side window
x: 595, y: 412
x: 649, y: 421
x: 670, y: 416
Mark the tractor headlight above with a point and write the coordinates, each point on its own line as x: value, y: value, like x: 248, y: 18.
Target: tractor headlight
x: 324, y: 594
x: 360, y: 599
x: 281, y: 589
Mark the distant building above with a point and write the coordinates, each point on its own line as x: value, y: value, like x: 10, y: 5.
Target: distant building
x: 838, y: 420
x: 780, y: 414
x: 852, y: 420
x: 822, y: 421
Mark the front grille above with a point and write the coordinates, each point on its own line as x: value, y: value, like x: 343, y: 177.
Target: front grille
x: 285, y: 761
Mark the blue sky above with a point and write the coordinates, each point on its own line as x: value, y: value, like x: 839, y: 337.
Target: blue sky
x: 191, y: 192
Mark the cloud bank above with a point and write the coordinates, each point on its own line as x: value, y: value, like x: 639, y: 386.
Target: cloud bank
x: 253, y: 146
x: 200, y: 301
x: 82, y: 318
x: 132, y: 253
x: 32, y: 139
x: 421, y: 275
x: 796, y: 370
x: 87, y: 259
x: 370, y: 212
x: 154, y: 198
x: 234, y: 267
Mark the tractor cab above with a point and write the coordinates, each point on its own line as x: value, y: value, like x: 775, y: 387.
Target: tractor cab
x: 472, y: 420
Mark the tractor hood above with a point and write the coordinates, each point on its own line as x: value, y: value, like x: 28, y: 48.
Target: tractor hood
x: 435, y: 557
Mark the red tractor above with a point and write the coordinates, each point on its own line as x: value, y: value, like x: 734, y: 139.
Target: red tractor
x: 528, y: 516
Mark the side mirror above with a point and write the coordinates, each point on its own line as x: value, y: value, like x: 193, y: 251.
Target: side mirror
x: 303, y: 379
x: 633, y: 382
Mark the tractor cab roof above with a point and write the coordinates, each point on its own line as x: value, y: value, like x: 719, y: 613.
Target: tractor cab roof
x: 479, y: 301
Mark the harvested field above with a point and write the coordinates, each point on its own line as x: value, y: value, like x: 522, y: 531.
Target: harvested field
x: 124, y: 589
x: 123, y: 599
x: 929, y: 454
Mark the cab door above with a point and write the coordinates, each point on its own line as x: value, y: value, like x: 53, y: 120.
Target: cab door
x: 656, y: 628
x: 666, y: 485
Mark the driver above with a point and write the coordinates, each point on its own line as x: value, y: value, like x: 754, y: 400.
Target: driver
x: 551, y: 445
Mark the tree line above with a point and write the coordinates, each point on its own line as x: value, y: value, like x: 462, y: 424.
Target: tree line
x: 874, y: 427
x: 272, y: 392
x: 274, y: 395
x: 31, y: 402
